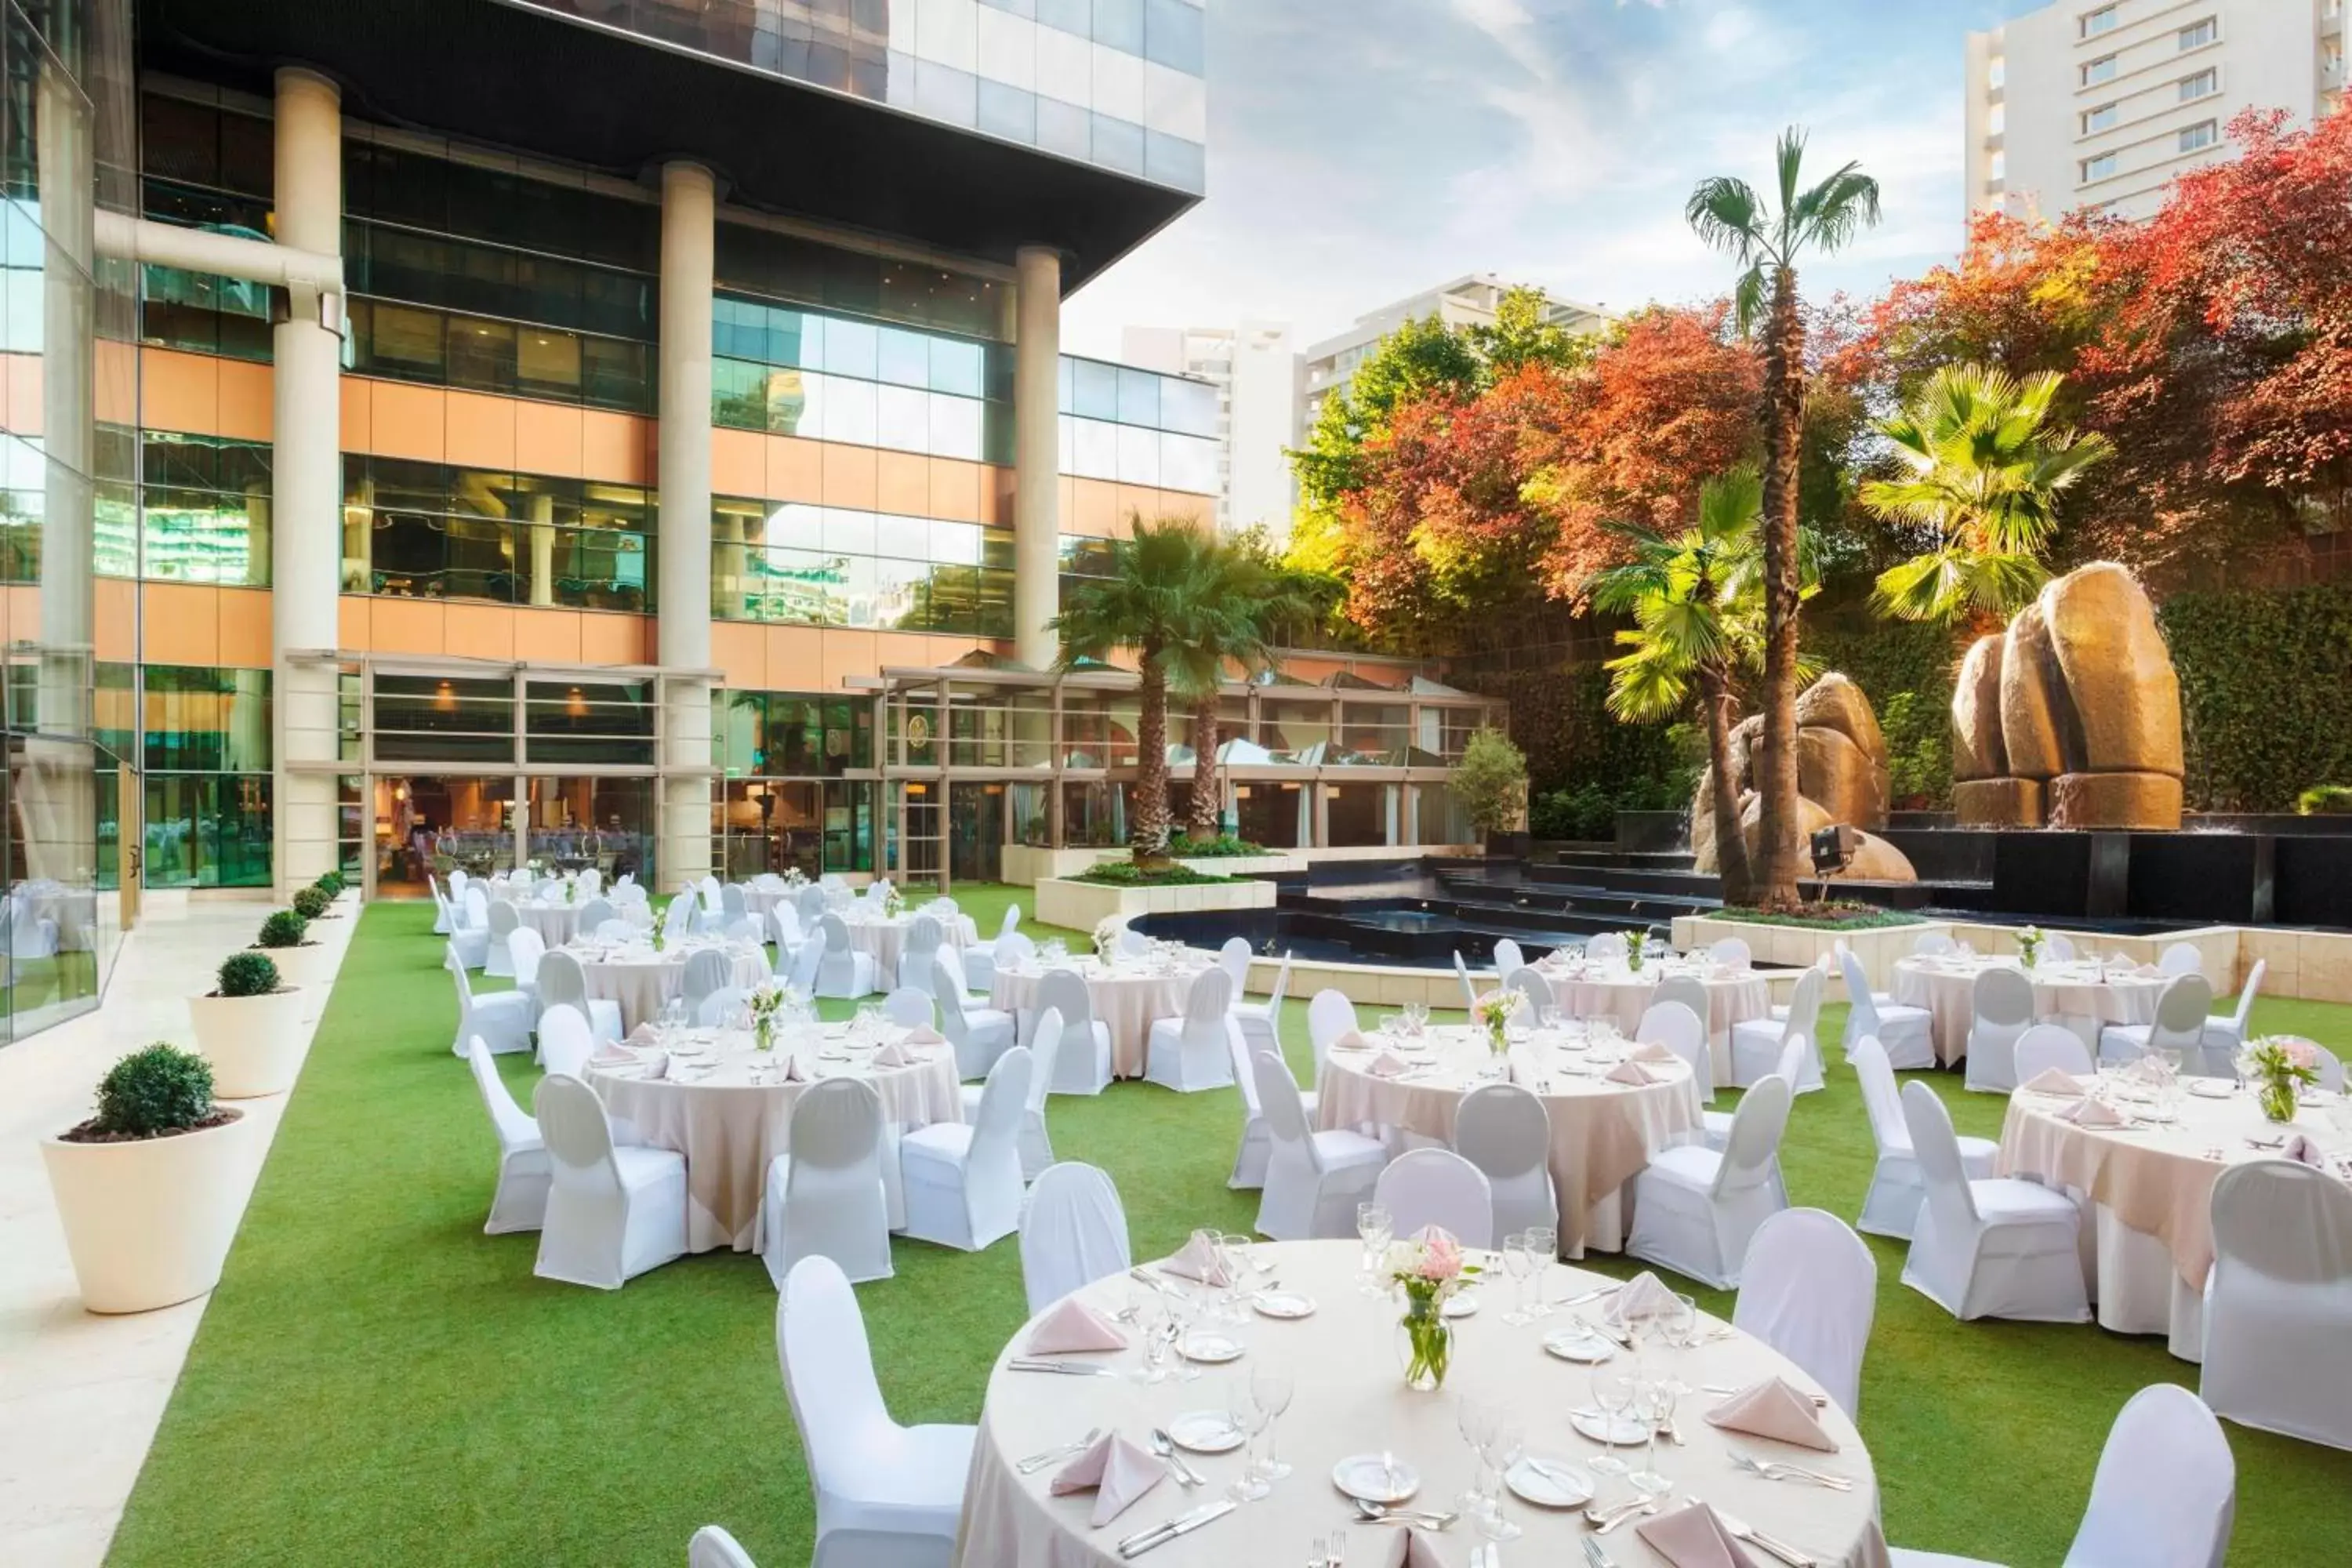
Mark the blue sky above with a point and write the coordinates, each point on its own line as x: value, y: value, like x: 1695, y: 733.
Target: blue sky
x: 1363, y: 150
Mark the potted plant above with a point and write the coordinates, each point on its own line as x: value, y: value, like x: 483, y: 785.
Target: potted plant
x: 285, y: 938
x: 250, y: 1027
x: 334, y: 886
x: 311, y: 903
x: 149, y: 1190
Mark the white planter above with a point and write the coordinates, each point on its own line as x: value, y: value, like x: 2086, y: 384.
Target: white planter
x: 311, y: 965
x: 149, y: 1223
x: 255, y: 1043
x: 1081, y: 906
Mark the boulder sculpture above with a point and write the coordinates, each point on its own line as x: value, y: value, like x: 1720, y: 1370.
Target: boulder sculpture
x: 2071, y: 718
x: 1841, y: 777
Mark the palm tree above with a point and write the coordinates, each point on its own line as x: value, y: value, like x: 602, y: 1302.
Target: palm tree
x: 1258, y: 600
x: 1163, y: 599
x: 1986, y: 469
x: 1728, y: 214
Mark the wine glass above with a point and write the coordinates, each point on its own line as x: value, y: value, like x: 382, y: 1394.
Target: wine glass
x: 1250, y: 1418
x: 1542, y: 1242
x: 1475, y: 1419
x: 1159, y: 1330
x: 1612, y: 1391
x: 1653, y: 1406
x: 1518, y: 1266
x: 1505, y: 1439
x: 1684, y: 1332
x: 1375, y: 1227
x: 1271, y: 1391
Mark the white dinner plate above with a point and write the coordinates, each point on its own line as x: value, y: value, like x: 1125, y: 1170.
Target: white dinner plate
x: 1205, y: 1431
x: 2211, y: 1087
x: 1578, y: 1345
x: 1464, y: 1305
x: 1211, y: 1348
x: 1556, y: 1484
x: 1365, y: 1476
x: 1284, y: 1304
x: 1617, y: 1431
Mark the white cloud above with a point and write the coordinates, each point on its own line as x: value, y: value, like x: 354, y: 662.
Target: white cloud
x: 1508, y: 24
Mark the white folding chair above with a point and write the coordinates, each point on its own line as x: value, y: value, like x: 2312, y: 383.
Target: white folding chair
x: 1194, y: 1053
x: 1331, y: 1017
x: 2179, y: 1026
x: 1508, y: 959
x: 707, y: 970
x: 1757, y: 1044
x: 565, y: 1043
x: 884, y: 1493
x: 518, y: 1202
x: 823, y: 1196
x: 1906, y: 1034
x: 1312, y: 1180
x: 1691, y: 992
x: 2046, y: 1045
x: 502, y: 1018
x: 841, y: 971
x: 527, y: 947
x: 980, y: 1035
x: 470, y: 934
x: 910, y: 1007
x: 614, y: 1211
x: 1261, y: 1022
x: 1234, y: 958
x: 924, y: 935
x: 560, y: 979
x: 982, y: 959
x: 1504, y: 1130
x: 1694, y: 1210
x: 713, y: 1547
x: 785, y: 931
x: 1891, y: 1206
x: 443, y: 915
x: 1083, y: 1064
x: 1438, y: 1187
x: 1673, y: 1025
x: 1810, y: 1290
x: 962, y: 1180
x: 1258, y: 1142
x: 1987, y: 1248
x: 1073, y: 1233
x: 1732, y: 952
x: 2001, y: 1002
x: 502, y: 921
x: 1036, y: 1143
x: 2180, y: 958
x: 1469, y: 990
x: 1535, y: 993
x: 2278, y: 1301
x: 2225, y: 1037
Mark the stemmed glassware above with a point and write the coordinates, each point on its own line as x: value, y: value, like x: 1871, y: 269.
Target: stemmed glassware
x: 1653, y: 1406
x: 1270, y: 1391
x: 1376, y: 1229
x: 1503, y: 1439
x: 1542, y: 1243
x: 1160, y: 1329
x: 1612, y: 1391
x: 1476, y: 1420
x: 1251, y: 1419
x: 1518, y: 1266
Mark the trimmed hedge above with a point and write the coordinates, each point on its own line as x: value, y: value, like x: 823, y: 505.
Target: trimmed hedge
x: 2265, y: 692
x: 1128, y: 873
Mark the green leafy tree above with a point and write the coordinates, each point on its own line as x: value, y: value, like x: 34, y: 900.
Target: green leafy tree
x: 1490, y: 781
x: 1727, y: 213
x: 1985, y: 469
x: 1523, y: 333
x: 1256, y: 599
x: 1417, y: 358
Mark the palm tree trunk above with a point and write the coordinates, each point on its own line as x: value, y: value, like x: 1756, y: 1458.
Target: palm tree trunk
x: 1781, y: 845
x: 1148, y: 827
x: 1208, y: 800
x: 1730, y: 844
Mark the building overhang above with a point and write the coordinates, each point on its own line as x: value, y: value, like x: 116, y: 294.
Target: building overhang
x: 521, y: 78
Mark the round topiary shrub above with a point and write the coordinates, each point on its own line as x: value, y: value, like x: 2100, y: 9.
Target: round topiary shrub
x: 247, y: 973
x: 154, y: 1092
x: 331, y: 883
x: 311, y: 903
x: 284, y: 928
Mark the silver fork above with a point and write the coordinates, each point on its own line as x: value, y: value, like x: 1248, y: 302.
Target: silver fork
x: 1778, y: 1472
x: 1596, y: 1555
x: 1747, y: 1533
x: 1039, y: 1460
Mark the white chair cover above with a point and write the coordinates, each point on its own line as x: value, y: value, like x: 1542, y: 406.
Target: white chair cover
x: 980, y: 1035
x: 1998, y: 1248
x: 1469, y: 988
x: 2167, y: 1488
x: 1438, y: 1187
x: 2278, y: 1304
x: 560, y: 979
x: 1732, y: 952
x: 824, y: 1197
x: 1250, y: 1157
x: 2002, y: 1000
x: 1757, y: 1044
x: 731, y: 902
x: 1930, y: 943
x: 502, y: 1018
x: 442, y: 914
x: 1330, y: 1015
x: 1083, y: 1063
x: 1810, y: 1290
x: 911, y: 1007
x: 1694, y: 1210
x: 1672, y: 1024
x: 2180, y: 958
x: 706, y: 969
x: 565, y: 1043
x: 1509, y: 959
x: 527, y: 947
x: 2225, y: 1037
x: 924, y: 935
x: 502, y: 921
x: 1906, y: 1033
x: 2179, y: 1026
x: 807, y: 961
x: 1133, y: 943
x: 712, y: 1547
x: 1234, y: 958
x: 1073, y: 1233
x: 1891, y: 1207
x: 1261, y: 1022
x: 785, y: 930
x: 611, y: 1211
x: 2061, y: 946
x: 518, y: 1202
x: 1503, y: 1128
x: 1312, y: 1180
x: 1191, y: 1053
x: 2046, y: 1045
x: 1534, y: 994
x: 471, y: 931
x: 1036, y: 1143
x: 810, y: 902
x: 843, y: 971
x: 1607, y: 947
x: 962, y: 1183
x: 713, y: 1011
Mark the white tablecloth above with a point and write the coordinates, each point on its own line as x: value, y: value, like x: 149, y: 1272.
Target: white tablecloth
x: 887, y: 938
x: 2083, y: 997
x: 555, y: 923
x: 640, y: 980
x: 1351, y: 1399
x: 1613, y: 992
x: 1602, y: 1134
x: 732, y: 1120
x: 1127, y: 996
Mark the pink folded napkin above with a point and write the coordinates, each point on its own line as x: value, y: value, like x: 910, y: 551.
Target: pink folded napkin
x: 1074, y: 1326
x: 1198, y: 1261
x: 1634, y: 1072
x: 611, y: 1056
x: 2150, y: 1070
x: 1115, y: 1471
x: 2092, y: 1113
x: 2300, y: 1149
x: 656, y: 1065
x: 1410, y: 1549
x: 924, y: 1035
x: 796, y: 1073
x: 2147, y: 971
x: 891, y: 1056
x: 1388, y: 1063
x: 1772, y: 1409
x: 1642, y: 1296
x: 644, y: 1035
x: 1351, y: 1041
x: 2050, y: 1080
x: 1693, y: 1537
x: 1652, y: 1052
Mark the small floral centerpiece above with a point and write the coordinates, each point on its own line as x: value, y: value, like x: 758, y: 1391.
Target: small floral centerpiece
x: 1429, y: 1271
x: 793, y: 877
x: 1636, y: 940
x: 570, y: 890
x: 2279, y: 1065
x: 893, y: 906
x: 2029, y: 946
x: 658, y: 938
x: 1493, y: 1013
x: 766, y: 1003
x: 1108, y: 931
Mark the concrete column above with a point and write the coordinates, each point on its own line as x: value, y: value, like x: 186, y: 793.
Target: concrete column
x: 688, y: 199
x: 306, y: 539
x: 543, y: 549
x: 1036, y: 475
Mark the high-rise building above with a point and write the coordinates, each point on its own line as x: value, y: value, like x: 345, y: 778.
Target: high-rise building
x: 1257, y: 373
x: 2100, y: 105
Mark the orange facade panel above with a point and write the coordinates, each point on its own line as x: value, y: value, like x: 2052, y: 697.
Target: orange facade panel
x: 179, y: 392
x: 547, y: 637
x: 246, y: 411
x: 795, y: 470
x: 547, y: 437
x: 118, y: 385
x: 850, y: 475
x: 480, y: 431
x: 903, y: 486
x: 116, y: 606
x: 244, y: 639
x: 478, y: 631
x: 616, y: 639
x: 618, y: 447
x: 739, y: 463
x: 180, y: 624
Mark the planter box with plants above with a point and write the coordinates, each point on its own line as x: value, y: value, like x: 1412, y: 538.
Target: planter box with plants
x: 250, y: 1027
x: 285, y: 940
x: 1119, y: 889
x: 313, y: 903
x: 149, y: 1190
x: 1877, y: 938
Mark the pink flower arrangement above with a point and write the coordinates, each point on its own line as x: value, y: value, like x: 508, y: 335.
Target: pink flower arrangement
x: 2300, y: 1052
x: 1432, y: 1261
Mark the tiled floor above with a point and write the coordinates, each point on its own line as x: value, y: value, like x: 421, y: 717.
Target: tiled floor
x: 80, y: 1395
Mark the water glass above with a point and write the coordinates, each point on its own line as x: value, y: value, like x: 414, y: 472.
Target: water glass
x: 1476, y: 1420
x: 1543, y: 1247
x: 1375, y: 1228
x: 1653, y: 1406
x: 1505, y: 1439
x: 1251, y: 1419
x: 1612, y: 1391
x: 1518, y: 1265
x: 1160, y: 1331
x: 1684, y: 1332
x: 1271, y: 1391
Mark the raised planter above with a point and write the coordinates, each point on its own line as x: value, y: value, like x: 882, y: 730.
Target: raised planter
x: 1876, y: 948
x: 149, y: 1223
x: 313, y: 966
x: 254, y: 1043
x: 1080, y: 906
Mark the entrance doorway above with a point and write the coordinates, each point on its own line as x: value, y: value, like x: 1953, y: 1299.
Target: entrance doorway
x: 437, y: 823
x: 976, y: 832
x: 601, y: 822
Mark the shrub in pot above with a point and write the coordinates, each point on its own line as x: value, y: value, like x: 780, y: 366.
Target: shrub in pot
x: 311, y: 903
x: 150, y: 1188
x: 250, y: 1027
x: 286, y: 940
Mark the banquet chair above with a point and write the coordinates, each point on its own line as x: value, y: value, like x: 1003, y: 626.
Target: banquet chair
x: 1249, y: 1159
x: 443, y: 915
x: 457, y: 880
x: 560, y: 979
x: 1694, y: 1210
x: 924, y: 935
x: 2046, y: 1045
x: 707, y: 970
x: 678, y: 921
x: 981, y: 958
x: 962, y: 1180
x: 712, y: 897
x: 614, y: 1211
x: 1132, y: 943
x: 1929, y: 944
x: 843, y: 971
x: 1469, y: 990
x: 744, y: 928
x: 1732, y: 952
x: 1012, y: 950
x: 806, y: 961
x: 1234, y: 958
x: 884, y: 1493
x: 1778, y: 1011
x: 1996, y: 1247
x: 785, y: 931
x: 501, y: 920
x: 1605, y: 947
x: 1312, y: 1180
x: 713, y: 1547
x: 518, y: 1202
x: 823, y: 1196
x: 591, y: 882
x: 1036, y: 1144
x: 911, y: 1007
x: 1261, y: 1022
x: 1809, y: 1292
x: 2179, y: 1026
x: 1528, y: 982
x: 1903, y: 1032
x: 732, y: 905
x: 980, y: 1035
x: 1891, y: 1206
x: 1073, y: 1233
x: 2180, y: 958
x: 502, y: 1018
x: 1438, y: 1187
x: 1082, y: 1065
x: 527, y: 947
x: 471, y: 935
x: 713, y: 1011
x: 2001, y: 1004
x: 1691, y: 992
x: 1504, y: 1130
x: 1673, y: 1025
x: 1191, y: 1053
x: 809, y: 903
x: 2061, y: 946
x: 565, y: 1043
x: 595, y: 912
x: 1508, y: 959
x: 1331, y: 1017
x: 615, y: 931
x: 1757, y: 1044
x: 2278, y: 1301
x: 2225, y: 1037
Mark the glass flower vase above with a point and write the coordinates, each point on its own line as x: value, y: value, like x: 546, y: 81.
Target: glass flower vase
x: 2277, y: 1098
x: 763, y: 1033
x: 1425, y: 1343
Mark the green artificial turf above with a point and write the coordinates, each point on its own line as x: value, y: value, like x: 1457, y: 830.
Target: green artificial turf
x: 377, y: 1381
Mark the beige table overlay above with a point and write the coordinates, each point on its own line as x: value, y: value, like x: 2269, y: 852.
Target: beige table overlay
x: 1612, y: 991
x: 1602, y: 1134
x: 2081, y: 996
x: 640, y: 980
x: 727, y: 1113
x: 1127, y: 996
x: 886, y: 937
x: 1351, y: 1399
x: 555, y: 923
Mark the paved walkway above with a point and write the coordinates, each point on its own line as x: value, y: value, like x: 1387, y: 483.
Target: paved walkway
x: 80, y: 1395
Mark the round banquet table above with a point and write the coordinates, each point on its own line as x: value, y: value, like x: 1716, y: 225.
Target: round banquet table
x: 885, y: 938
x: 1351, y: 1399
x: 763, y: 901
x: 1602, y: 1134
x: 2151, y: 1189
x: 555, y: 923
x: 1613, y: 992
x: 2084, y: 997
x: 721, y: 1104
x: 640, y: 980
x: 1128, y: 996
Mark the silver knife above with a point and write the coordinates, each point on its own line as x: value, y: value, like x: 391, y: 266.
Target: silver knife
x: 1136, y: 1545
x: 1068, y: 1368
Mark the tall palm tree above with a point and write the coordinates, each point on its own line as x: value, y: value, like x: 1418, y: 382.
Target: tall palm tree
x: 1163, y: 599
x: 1728, y: 214
x: 1257, y: 601
x: 1986, y: 469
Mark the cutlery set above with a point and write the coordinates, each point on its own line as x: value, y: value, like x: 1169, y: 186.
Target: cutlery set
x: 1781, y: 1470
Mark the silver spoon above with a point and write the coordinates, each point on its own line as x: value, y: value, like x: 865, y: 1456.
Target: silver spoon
x: 1165, y: 1447
x: 1379, y: 1513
